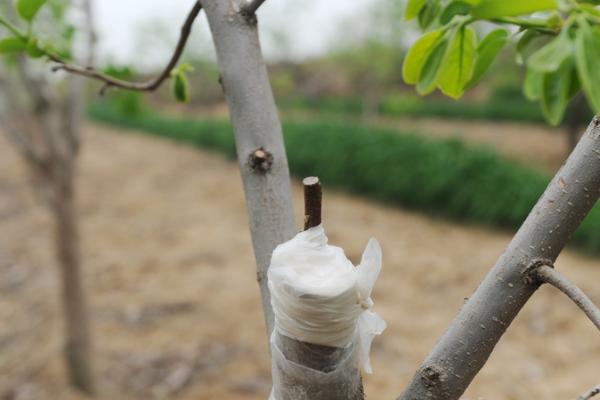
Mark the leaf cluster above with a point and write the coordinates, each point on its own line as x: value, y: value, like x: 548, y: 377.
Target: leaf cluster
x: 557, y: 40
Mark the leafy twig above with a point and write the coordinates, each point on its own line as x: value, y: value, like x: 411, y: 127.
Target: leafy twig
x: 150, y: 85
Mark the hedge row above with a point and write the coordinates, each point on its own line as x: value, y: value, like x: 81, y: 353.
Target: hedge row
x: 441, y: 177
x: 400, y: 105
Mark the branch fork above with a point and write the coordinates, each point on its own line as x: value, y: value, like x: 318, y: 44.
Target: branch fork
x: 546, y: 273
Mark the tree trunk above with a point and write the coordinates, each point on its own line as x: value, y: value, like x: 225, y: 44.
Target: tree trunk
x: 264, y: 170
x: 78, y: 348
x: 467, y: 344
x: 258, y: 135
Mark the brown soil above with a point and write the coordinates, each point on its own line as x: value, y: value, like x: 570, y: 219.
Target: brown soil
x: 536, y: 145
x: 175, y: 304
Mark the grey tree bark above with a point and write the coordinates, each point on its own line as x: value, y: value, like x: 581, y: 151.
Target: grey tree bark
x: 465, y: 347
x: 258, y: 135
x: 265, y: 175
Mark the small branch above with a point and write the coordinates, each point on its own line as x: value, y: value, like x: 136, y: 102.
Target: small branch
x: 595, y: 391
x: 150, y: 85
x: 551, y: 276
x: 251, y: 7
x: 527, y: 23
x: 312, y: 202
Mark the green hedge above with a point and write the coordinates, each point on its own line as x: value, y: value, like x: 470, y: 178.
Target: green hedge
x: 441, y: 177
x: 495, y: 108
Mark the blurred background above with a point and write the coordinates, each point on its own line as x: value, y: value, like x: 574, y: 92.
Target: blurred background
x: 165, y: 251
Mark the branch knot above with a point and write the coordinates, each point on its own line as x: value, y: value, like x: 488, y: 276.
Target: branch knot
x: 260, y: 160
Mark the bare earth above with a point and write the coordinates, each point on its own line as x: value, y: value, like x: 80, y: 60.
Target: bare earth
x: 175, y: 305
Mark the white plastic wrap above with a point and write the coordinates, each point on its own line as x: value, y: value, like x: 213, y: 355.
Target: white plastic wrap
x: 319, y: 297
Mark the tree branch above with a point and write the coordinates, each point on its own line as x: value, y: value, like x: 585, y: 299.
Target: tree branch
x: 467, y: 344
x: 150, y: 85
x: 547, y: 274
x: 251, y: 7
x: 595, y: 391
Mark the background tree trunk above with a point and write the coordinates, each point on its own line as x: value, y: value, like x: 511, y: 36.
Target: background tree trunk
x: 78, y: 346
x: 46, y: 131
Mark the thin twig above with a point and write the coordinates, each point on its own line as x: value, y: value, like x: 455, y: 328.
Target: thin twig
x: 595, y: 391
x: 150, y: 85
x: 547, y: 274
x: 312, y: 202
x: 251, y: 7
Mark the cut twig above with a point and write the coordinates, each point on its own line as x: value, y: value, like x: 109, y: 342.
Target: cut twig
x: 312, y: 202
x: 547, y: 274
x: 148, y: 86
x: 592, y: 393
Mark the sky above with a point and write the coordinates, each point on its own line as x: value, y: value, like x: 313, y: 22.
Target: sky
x: 143, y: 32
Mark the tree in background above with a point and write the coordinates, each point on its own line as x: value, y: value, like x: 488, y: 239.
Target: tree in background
x: 42, y: 117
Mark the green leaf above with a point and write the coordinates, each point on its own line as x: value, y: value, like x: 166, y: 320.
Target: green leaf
x: 459, y: 63
x: 33, y: 49
x: 418, y: 54
x: 590, y: 9
x: 489, y: 9
x: 587, y: 54
x: 556, y: 87
x: 550, y: 57
x: 12, y: 45
x: 428, y: 14
x: 413, y: 8
x: 575, y: 84
x: 180, y: 87
x: 532, y: 87
x: 431, y: 70
x: 28, y: 9
x: 525, y: 41
x: 456, y: 7
x: 487, y: 51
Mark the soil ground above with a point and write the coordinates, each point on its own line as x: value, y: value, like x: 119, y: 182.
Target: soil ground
x: 175, y: 305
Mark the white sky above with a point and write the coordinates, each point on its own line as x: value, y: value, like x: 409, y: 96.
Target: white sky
x: 142, y: 32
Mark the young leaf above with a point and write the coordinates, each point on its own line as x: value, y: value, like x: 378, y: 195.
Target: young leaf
x: 524, y: 43
x: 12, y: 45
x: 550, y: 57
x: 489, y: 9
x: 487, y: 51
x: 590, y: 9
x: 428, y: 14
x: 575, y: 84
x: 556, y: 87
x: 456, y: 7
x: 532, y: 87
x: 28, y: 9
x: 459, y: 62
x: 587, y: 54
x: 180, y: 87
x: 413, y: 8
x: 33, y: 49
x: 431, y: 69
x: 418, y: 54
